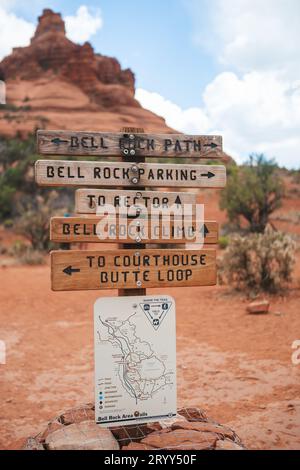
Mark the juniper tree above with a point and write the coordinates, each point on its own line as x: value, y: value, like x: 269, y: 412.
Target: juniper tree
x: 253, y: 192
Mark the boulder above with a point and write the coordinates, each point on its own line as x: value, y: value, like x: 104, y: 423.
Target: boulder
x: 227, y: 444
x: 86, y: 435
x: 51, y: 427
x: 205, y: 427
x: 261, y: 306
x: 77, y: 415
x: 181, y: 439
x: 126, y: 434
x: 193, y: 414
x: 137, y: 446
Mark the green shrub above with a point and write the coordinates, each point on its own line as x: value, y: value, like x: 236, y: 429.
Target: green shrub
x: 253, y: 192
x: 258, y: 262
x: 8, y: 223
x: 3, y: 250
x: 32, y: 257
x: 16, y: 158
x: 17, y: 187
x: 34, y: 223
x: 223, y: 242
x: 17, y: 249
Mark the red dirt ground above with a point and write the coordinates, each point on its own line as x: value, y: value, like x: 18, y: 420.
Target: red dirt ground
x: 236, y: 366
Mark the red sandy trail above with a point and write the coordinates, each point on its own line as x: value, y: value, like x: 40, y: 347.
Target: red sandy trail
x: 236, y: 366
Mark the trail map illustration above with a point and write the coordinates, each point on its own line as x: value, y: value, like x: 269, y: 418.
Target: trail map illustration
x: 135, y: 359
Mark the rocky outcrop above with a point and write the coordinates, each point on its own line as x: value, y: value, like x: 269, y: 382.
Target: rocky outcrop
x: 53, y: 76
x: 191, y: 430
x: 52, y: 54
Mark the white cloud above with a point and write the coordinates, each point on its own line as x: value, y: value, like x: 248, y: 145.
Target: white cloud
x: 259, y: 112
x: 249, y: 34
x: 189, y: 120
x: 14, y: 31
x: 260, y: 35
x: 255, y: 102
x: 84, y: 24
x: 2, y: 92
x: 6, y: 4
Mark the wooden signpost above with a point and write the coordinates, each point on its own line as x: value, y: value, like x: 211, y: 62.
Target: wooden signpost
x: 128, y: 144
x: 77, y: 270
x: 129, y: 269
x: 135, y: 218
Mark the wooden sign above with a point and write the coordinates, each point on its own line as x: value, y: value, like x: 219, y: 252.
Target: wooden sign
x: 107, y: 229
x: 87, y: 201
x: 76, y: 173
x: 130, y: 145
x: 127, y: 269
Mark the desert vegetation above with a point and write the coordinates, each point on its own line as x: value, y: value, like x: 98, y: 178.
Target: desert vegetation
x: 258, y: 258
x: 259, y: 262
x: 253, y: 192
x: 26, y: 209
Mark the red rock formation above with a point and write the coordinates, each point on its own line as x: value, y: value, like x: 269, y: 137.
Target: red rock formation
x: 53, y: 76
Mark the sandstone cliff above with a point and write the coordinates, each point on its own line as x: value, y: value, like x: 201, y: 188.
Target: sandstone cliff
x: 54, y: 83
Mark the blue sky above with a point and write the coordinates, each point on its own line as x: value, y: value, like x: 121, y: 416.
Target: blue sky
x: 154, y: 38
x: 207, y: 66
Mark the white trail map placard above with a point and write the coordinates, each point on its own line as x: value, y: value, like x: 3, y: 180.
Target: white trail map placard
x: 135, y: 359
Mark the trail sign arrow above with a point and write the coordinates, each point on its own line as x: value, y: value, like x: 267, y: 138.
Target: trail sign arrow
x: 205, y: 230
x: 211, y: 145
x: 58, y: 141
x: 88, y: 201
x: 69, y: 270
x: 209, y: 174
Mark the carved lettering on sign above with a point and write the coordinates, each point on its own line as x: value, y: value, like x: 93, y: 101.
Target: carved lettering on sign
x: 66, y: 173
x: 110, y: 144
x: 127, y: 269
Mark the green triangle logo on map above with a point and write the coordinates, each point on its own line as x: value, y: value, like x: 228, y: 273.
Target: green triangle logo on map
x: 156, y: 312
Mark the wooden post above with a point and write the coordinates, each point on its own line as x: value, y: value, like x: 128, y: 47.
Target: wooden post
x: 138, y: 247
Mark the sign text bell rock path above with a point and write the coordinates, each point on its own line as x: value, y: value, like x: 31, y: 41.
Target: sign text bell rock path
x: 131, y: 145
